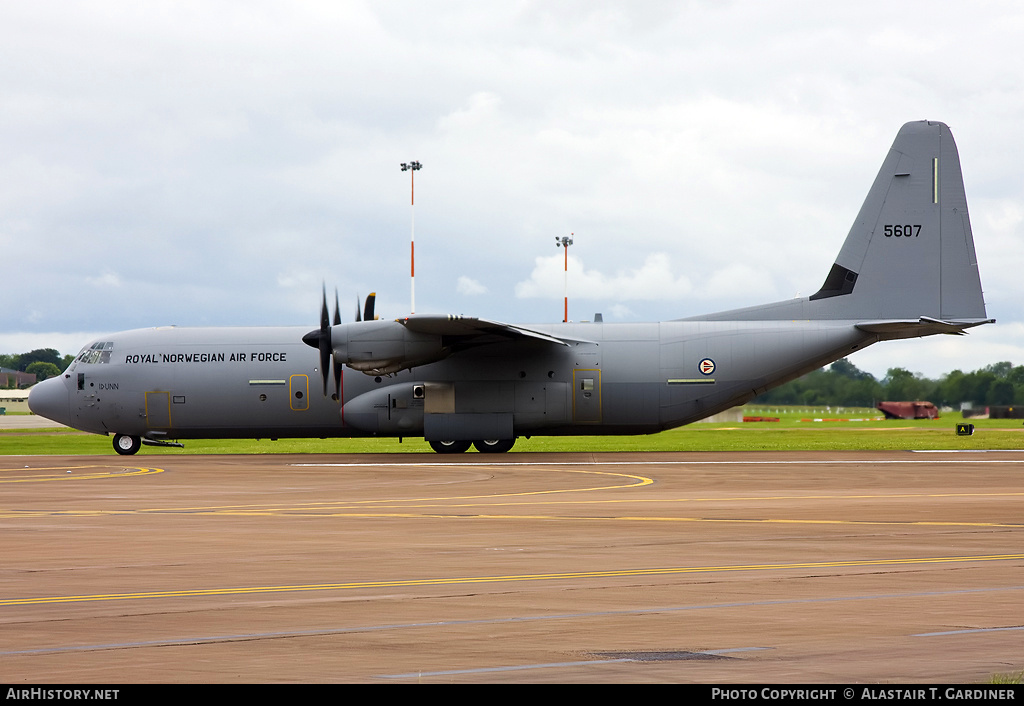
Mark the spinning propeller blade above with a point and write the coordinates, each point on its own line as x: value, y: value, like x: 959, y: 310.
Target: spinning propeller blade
x: 368, y: 310
x: 324, y: 343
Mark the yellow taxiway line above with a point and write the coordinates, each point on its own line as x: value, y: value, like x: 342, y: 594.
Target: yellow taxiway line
x: 572, y: 575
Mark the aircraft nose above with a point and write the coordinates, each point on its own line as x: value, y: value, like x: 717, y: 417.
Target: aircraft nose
x: 50, y: 399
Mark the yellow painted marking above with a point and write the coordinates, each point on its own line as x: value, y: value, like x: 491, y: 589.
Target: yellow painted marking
x: 155, y: 409
x: 298, y: 392
x: 451, y: 581
x: 633, y: 481
x: 786, y: 521
x: 450, y: 503
x: 61, y: 473
x: 563, y: 518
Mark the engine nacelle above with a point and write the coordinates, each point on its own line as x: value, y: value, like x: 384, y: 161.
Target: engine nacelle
x: 384, y: 347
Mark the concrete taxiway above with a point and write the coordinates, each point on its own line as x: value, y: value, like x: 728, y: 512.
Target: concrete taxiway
x: 664, y: 567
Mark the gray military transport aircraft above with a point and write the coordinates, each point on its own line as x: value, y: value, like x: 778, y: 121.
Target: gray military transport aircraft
x: 907, y: 269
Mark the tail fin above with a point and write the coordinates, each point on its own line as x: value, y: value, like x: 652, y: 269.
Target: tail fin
x: 909, y: 258
x: 910, y: 252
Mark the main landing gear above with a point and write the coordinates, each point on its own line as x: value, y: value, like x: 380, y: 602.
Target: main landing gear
x: 491, y: 446
x: 494, y: 446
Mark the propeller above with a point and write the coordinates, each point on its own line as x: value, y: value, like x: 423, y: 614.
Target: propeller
x: 321, y: 339
x: 367, y: 314
x: 337, y: 368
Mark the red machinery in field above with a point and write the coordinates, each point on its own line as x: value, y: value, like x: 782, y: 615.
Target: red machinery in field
x: 909, y: 410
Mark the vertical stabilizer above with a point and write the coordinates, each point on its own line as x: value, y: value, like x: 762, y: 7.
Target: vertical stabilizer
x: 910, y: 252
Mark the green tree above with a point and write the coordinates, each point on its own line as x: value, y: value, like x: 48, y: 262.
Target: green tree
x: 43, y: 355
x: 902, y: 385
x: 841, y: 384
x: 42, y: 370
x: 1000, y: 392
x: 846, y: 369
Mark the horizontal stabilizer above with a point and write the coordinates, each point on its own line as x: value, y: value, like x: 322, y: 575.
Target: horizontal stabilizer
x: 923, y: 326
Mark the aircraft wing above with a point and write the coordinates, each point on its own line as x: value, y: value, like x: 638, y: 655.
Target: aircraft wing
x: 923, y: 326
x: 471, y: 331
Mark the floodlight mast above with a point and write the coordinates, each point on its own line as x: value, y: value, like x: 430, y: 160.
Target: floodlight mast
x: 565, y: 242
x: 412, y: 168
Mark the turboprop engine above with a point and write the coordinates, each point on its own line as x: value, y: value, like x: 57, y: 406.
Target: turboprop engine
x: 368, y: 345
x: 383, y: 347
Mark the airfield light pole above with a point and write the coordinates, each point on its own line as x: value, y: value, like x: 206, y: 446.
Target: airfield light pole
x: 412, y: 167
x: 565, y: 242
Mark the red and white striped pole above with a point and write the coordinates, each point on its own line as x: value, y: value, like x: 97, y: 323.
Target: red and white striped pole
x: 565, y: 242
x: 412, y: 167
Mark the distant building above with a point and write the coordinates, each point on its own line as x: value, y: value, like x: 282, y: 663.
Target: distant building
x: 15, y: 378
x: 13, y: 401
x: 909, y: 410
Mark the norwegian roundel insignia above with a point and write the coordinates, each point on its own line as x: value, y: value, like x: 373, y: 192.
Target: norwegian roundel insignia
x: 707, y: 366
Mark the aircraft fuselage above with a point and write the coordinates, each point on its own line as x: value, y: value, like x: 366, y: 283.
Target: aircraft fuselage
x: 183, y: 383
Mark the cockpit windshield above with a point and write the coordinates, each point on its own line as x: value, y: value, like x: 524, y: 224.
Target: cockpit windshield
x: 98, y: 352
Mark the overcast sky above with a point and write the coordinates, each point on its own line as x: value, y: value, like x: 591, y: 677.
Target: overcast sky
x: 214, y: 163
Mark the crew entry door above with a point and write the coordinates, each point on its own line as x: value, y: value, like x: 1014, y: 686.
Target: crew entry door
x: 158, y: 410
x: 586, y: 399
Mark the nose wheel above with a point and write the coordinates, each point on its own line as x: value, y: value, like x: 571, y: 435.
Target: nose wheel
x: 127, y: 445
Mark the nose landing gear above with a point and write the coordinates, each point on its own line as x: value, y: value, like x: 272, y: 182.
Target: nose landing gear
x: 127, y: 445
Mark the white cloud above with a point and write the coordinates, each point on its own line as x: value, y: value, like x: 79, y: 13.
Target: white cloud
x: 480, y: 109
x: 655, y: 279
x: 1004, y: 215
x: 739, y: 280
x: 621, y: 312
x: 469, y: 287
x: 106, y: 279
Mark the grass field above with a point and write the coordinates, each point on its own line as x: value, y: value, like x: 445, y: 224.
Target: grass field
x: 797, y: 429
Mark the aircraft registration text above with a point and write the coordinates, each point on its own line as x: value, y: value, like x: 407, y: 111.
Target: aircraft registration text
x: 902, y: 231
x: 157, y: 358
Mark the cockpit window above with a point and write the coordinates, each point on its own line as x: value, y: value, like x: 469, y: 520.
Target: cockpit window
x: 98, y: 352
